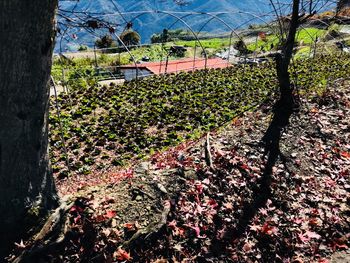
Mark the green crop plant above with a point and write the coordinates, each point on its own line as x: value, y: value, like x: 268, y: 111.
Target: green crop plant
x: 110, y: 125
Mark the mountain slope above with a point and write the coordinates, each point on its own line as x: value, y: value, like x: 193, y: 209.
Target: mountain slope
x: 150, y: 23
x: 240, y: 13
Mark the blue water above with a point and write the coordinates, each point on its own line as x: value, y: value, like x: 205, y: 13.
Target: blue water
x: 238, y: 14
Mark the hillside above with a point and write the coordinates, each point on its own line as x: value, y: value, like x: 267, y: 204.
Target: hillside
x: 173, y: 207
x: 151, y: 23
x: 239, y: 14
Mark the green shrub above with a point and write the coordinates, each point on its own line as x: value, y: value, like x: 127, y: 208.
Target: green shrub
x: 130, y: 38
x: 106, y: 42
x: 82, y: 48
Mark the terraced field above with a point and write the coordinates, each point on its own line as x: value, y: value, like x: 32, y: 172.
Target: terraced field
x: 109, y: 126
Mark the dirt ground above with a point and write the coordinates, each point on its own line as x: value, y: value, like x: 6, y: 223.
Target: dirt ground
x: 188, y: 205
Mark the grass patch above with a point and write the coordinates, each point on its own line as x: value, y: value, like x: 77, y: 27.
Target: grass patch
x: 214, y: 43
x: 309, y: 35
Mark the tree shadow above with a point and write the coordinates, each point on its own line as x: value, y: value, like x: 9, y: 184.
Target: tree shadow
x: 271, y: 142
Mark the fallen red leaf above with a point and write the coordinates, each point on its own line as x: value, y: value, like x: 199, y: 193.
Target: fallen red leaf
x: 213, y: 203
x: 99, y: 218
x: 312, y: 235
x: 303, y: 238
x: 199, y: 187
x: 110, y: 214
x: 228, y: 206
x: 76, y: 208
x: 197, y: 230
x: 268, y: 230
x: 172, y: 224
x: 245, y: 167
x: 345, y: 154
x: 255, y: 228
x: 314, y: 222
x: 77, y: 219
x: 247, y: 247
x: 180, y: 232
x: 307, y: 236
x: 129, y: 226
x: 122, y: 255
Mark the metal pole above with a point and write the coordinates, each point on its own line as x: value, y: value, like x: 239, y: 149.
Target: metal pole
x: 229, y: 50
x: 96, y: 65
x: 194, y: 58
x: 161, y: 58
x: 120, y: 63
x: 186, y: 24
x: 63, y: 81
x: 130, y: 54
x: 166, y: 64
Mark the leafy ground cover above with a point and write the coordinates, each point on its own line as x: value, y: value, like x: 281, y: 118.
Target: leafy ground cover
x: 309, y: 35
x: 110, y: 125
x: 106, y: 127
x: 215, y: 43
x: 175, y: 208
x: 305, y: 36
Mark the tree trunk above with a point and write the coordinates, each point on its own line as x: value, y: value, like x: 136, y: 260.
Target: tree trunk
x: 342, y: 4
x: 27, y: 30
x: 283, y: 61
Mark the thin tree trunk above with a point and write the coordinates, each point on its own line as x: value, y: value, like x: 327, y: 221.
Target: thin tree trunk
x: 284, y: 107
x: 342, y: 4
x: 283, y: 60
x: 27, y: 30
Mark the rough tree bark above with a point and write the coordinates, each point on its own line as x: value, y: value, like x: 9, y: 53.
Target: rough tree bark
x: 342, y: 4
x: 27, y: 30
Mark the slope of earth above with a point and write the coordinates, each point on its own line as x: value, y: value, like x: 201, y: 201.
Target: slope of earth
x: 175, y: 208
